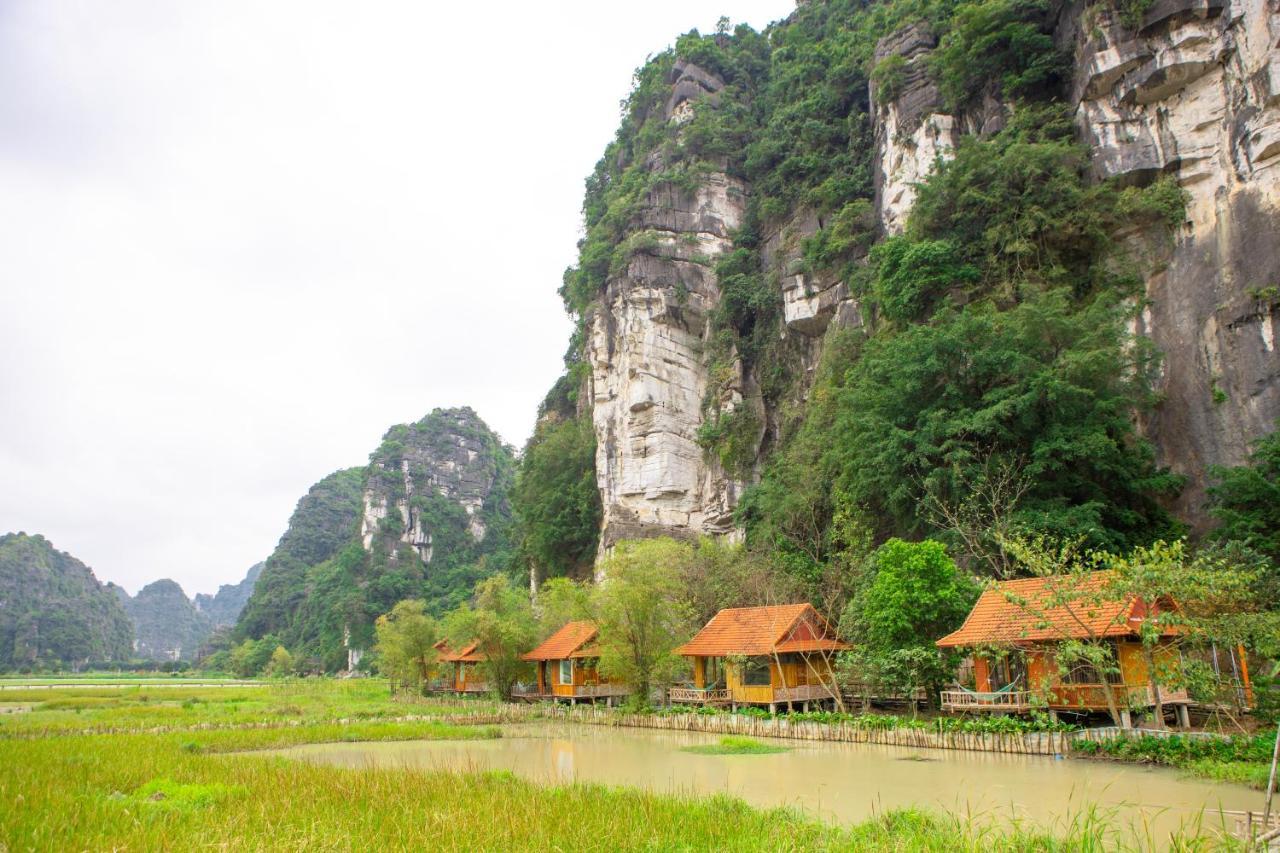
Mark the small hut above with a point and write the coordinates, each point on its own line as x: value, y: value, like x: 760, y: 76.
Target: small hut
x: 464, y: 666
x: 568, y: 668
x: 773, y: 655
x: 1015, y: 629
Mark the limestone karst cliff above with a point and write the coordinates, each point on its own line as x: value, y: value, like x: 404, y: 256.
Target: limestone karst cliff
x: 425, y: 519
x: 729, y: 228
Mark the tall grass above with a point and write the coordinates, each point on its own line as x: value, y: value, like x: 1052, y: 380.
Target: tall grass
x: 176, y: 792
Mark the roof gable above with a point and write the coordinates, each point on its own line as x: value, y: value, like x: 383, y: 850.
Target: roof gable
x: 997, y: 620
x: 763, y: 630
x: 563, y: 643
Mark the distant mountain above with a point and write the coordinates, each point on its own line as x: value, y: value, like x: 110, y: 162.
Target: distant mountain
x: 167, y: 625
x: 428, y: 517
x: 53, y: 611
x: 223, y: 608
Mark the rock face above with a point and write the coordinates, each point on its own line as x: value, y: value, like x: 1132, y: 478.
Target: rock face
x: 1195, y: 93
x: 223, y: 607
x: 647, y: 351
x: 53, y: 611
x: 911, y: 129
x: 424, y: 473
x: 166, y: 625
x: 420, y: 521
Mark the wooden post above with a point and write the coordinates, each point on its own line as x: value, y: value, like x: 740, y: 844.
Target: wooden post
x: 1244, y: 676
x: 700, y: 672
x: 1271, y: 784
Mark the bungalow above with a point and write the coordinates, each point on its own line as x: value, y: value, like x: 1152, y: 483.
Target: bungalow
x: 1014, y: 635
x: 567, y: 666
x: 463, y: 667
x: 761, y: 656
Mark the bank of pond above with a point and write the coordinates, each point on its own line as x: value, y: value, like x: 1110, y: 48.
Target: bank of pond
x: 844, y: 783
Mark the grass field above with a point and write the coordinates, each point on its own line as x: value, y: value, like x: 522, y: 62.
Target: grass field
x: 82, y: 710
x: 182, y: 789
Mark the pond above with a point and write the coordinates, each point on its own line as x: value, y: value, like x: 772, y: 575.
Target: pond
x: 836, y: 781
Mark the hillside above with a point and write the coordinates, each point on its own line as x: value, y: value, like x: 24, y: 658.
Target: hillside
x: 224, y: 606
x: 167, y: 625
x: 880, y: 259
x: 426, y: 518
x: 53, y: 611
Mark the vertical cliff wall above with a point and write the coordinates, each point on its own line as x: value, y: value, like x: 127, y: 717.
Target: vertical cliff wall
x: 1194, y: 91
x: 647, y: 349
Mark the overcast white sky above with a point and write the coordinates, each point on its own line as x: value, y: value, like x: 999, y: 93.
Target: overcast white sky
x: 243, y: 238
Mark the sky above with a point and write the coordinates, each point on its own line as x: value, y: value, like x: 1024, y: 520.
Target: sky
x: 242, y: 239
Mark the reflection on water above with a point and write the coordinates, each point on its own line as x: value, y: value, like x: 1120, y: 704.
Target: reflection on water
x: 844, y: 782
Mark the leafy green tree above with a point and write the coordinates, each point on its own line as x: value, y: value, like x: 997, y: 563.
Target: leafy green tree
x: 406, y: 639
x: 562, y: 600
x: 1042, y: 385
x: 642, y: 610
x: 251, y: 656
x: 502, y: 625
x: 280, y: 665
x: 1008, y: 42
x: 915, y: 596
x: 556, y: 500
x: 1246, y: 500
x: 912, y: 276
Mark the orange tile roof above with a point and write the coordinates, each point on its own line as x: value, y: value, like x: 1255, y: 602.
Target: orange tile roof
x: 996, y: 619
x: 467, y: 654
x: 563, y: 643
x: 760, y: 631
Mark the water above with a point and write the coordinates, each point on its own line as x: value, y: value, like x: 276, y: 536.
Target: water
x: 835, y: 781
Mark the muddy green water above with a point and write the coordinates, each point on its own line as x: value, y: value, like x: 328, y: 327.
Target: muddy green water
x: 836, y: 781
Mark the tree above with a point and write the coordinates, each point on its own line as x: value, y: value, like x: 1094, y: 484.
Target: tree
x: 643, y: 613
x: 561, y: 600
x: 1246, y: 500
x: 406, y: 639
x: 556, y: 499
x: 915, y: 595
x: 1188, y: 599
x: 280, y: 665
x: 502, y: 625
x: 1044, y: 386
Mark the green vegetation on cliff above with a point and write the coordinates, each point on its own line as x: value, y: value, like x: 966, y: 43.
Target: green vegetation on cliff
x: 53, y: 611
x: 426, y: 519
x: 167, y: 625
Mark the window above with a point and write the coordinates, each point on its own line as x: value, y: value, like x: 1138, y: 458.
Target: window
x: 755, y: 672
x: 566, y: 672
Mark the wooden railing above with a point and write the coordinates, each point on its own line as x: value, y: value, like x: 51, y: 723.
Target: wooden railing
x: 964, y: 700
x: 1084, y: 696
x: 593, y: 691
x: 698, y: 695
x: 802, y: 693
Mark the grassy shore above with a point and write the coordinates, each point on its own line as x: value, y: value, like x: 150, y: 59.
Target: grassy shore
x: 192, y: 786
x: 176, y: 791
x: 1243, y: 759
